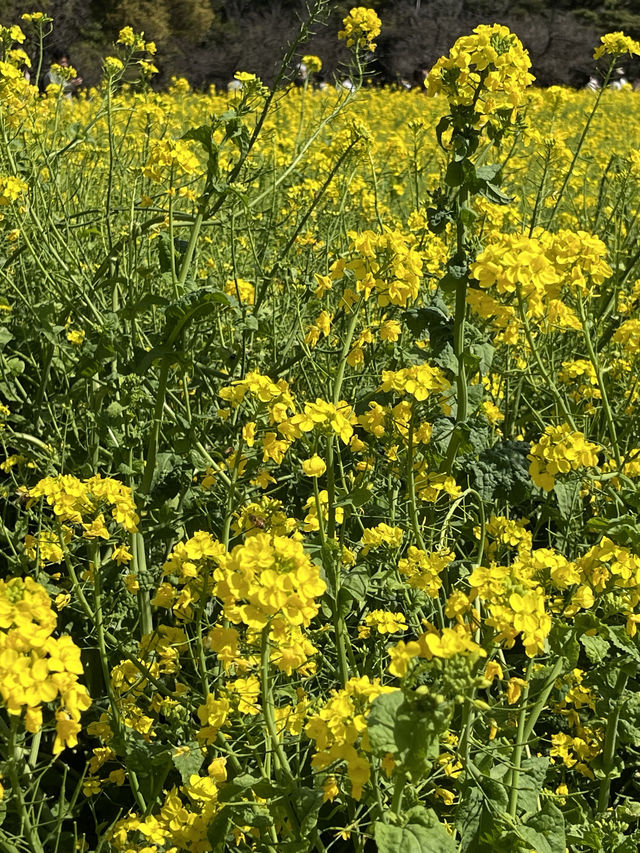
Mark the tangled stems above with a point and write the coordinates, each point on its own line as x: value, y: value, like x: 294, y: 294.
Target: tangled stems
x: 583, y: 136
x: 550, y: 384
x: 30, y: 832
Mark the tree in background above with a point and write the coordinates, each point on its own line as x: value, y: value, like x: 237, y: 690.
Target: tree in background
x: 208, y: 40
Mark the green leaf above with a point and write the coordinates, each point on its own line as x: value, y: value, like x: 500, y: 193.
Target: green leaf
x: 563, y: 645
x: 188, y: 763
x: 423, y: 833
x: 307, y: 803
x: 483, y: 802
x: 545, y: 831
x: 5, y: 337
x: 565, y: 496
x: 357, y: 497
x: 534, y: 772
x: 203, y: 135
x: 217, y: 831
x: 495, y: 194
x: 629, y: 722
x: 596, y: 647
x: 237, y: 787
x: 149, y: 300
x: 408, y: 726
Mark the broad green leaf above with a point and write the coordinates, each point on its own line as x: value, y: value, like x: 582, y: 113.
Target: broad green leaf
x: 545, y: 831
x: 422, y: 834
x: 534, y: 772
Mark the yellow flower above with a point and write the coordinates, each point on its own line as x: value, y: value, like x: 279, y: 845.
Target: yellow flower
x: 615, y: 44
x: 314, y: 467
x: 330, y: 789
x: 514, y: 689
x: 313, y: 63
x: 76, y: 337
x: 361, y: 27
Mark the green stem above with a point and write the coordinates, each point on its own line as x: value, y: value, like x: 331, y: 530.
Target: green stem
x: 543, y: 371
x: 601, y: 385
x: 519, y: 745
x: 154, y: 438
x: 30, y: 833
x: 271, y: 737
x: 398, y: 791
x: 609, y: 748
x: 581, y: 141
x: 458, y: 348
x: 411, y: 489
x: 104, y: 662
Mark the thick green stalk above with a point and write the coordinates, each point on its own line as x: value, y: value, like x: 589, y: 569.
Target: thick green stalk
x: 271, y: 737
x: 521, y: 740
x: 411, y: 489
x: 458, y: 348
x: 609, y: 749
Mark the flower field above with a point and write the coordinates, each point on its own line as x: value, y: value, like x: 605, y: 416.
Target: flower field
x: 321, y: 461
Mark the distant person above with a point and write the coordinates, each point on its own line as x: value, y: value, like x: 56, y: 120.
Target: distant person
x: 302, y: 75
x: 619, y: 80
x: 420, y: 78
x: 53, y: 77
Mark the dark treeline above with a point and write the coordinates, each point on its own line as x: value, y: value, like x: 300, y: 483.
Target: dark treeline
x: 208, y: 40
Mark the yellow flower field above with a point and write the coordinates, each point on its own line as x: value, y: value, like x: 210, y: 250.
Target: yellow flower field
x: 321, y: 465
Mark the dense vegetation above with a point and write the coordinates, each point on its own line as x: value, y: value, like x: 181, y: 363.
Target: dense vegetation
x: 321, y: 458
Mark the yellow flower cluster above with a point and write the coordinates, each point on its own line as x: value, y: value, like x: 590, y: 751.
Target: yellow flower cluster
x: 135, y: 41
x: 269, y: 582
x: 516, y: 604
x: 264, y: 389
x: 339, y: 730
x: 419, y: 380
x: 386, y: 263
x: 182, y: 821
x: 615, y: 44
x: 35, y: 667
x: 266, y: 515
x: 607, y: 566
x: 265, y: 577
x: 168, y: 159
x: 313, y: 63
x: 384, y: 622
x: 361, y: 27
x: 82, y: 501
x: 11, y: 189
x: 433, y: 644
x: 490, y: 59
x: 329, y: 418
x: 422, y: 569
x: 381, y: 534
x: 536, y: 269
x: 559, y: 451
x: 585, y: 389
